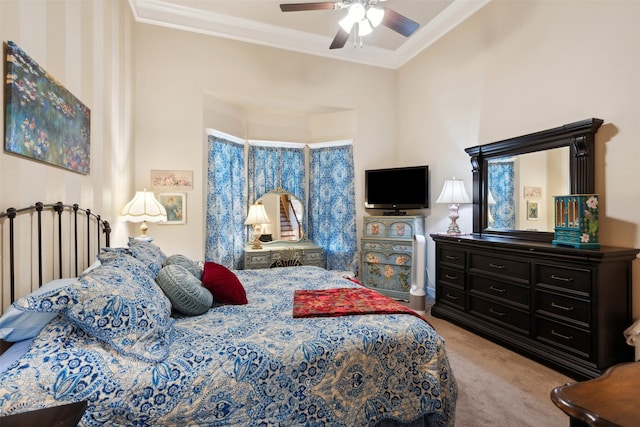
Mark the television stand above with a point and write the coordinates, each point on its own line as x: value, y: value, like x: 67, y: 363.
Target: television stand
x: 394, y: 213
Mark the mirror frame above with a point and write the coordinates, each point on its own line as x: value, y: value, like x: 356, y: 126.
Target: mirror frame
x: 279, y: 191
x: 578, y: 136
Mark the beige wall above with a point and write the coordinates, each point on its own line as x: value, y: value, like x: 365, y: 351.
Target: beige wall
x: 517, y: 67
x: 187, y: 82
x: 87, y: 47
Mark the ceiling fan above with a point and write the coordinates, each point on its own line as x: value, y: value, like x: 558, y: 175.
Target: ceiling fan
x: 362, y: 16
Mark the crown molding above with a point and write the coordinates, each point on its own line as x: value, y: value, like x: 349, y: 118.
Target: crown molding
x: 179, y: 17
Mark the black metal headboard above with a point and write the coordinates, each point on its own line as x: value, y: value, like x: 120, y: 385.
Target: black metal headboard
x: 62, y: 240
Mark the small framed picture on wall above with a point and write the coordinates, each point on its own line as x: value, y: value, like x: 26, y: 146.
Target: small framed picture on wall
x: 532, y: 210
x: 176, y: 206
x: 171, y: 180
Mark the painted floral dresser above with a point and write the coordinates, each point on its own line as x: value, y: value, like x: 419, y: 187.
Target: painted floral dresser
x: 387, y: 253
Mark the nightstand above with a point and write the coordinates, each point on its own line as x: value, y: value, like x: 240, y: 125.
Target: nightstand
x: 68, y: 415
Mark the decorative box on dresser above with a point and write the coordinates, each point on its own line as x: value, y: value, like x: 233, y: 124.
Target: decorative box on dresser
x: 283, y: 254
x: 387, y: 253
x: 564, y: 307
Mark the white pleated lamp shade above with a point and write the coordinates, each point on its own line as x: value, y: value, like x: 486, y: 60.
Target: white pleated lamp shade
x: 453, y: 192
x: 257, y: 215
x: 144, y: 207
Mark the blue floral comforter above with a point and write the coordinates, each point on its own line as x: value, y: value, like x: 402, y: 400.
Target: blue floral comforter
x: 250, y: 365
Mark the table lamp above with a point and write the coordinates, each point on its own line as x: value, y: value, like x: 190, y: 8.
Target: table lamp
x: 144, y: 208
x: 453, y: 193
x: 257, y: 217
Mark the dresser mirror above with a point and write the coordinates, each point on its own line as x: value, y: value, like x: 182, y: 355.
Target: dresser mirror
x: 514, y: 180
x: 286, y: 214
x: 519, y: 189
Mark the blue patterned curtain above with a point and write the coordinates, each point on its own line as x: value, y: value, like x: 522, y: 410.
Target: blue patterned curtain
x: 272, y: 167
x: 502, y: 213
x: 226, y: 233
x: 332, y: 211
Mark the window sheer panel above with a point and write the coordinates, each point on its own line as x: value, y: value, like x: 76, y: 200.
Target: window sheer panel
x: 332, y: 212
x: 272, y: 167
x: 226, y: 233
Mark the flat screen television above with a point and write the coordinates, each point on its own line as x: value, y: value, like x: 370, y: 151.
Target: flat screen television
x: 397, y: 188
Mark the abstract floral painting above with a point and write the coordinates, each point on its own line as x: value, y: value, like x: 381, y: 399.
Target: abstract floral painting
x: 43, y: 120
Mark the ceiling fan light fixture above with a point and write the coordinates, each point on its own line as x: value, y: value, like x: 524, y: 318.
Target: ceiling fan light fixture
x: 375, y: 15
x: 347, y: 23
x: 357, y: 12
x: 364, y: 28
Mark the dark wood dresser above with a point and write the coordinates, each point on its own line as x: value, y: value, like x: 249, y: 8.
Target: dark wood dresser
x: 566, y: 308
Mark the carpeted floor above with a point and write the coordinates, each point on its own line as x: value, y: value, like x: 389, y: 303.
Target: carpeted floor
x: 497, y: 387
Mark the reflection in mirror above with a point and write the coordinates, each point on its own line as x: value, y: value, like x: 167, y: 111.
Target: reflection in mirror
x: 286, y: 213
x: 520, y: 189
x: 532, y: 218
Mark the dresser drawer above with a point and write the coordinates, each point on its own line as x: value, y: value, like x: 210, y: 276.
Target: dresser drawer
x: 392, y: 228
x: 451, y: 296
x: 387, y: 246
x: 498, y: 289
x: 570, y: 279
x: 452, y: 277
x: 506, y: 316
x: 261, y: 260
x: 566, y: 307
x: 313, y: 256
x: 452, y: 256
x: 286, y: 255
x: 516, y: 269
x: 563, y: 336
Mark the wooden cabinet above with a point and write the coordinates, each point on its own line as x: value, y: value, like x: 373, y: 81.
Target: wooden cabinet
x: 562, y: 306
x: 608, y: 400
x: 387, y: 253
x: 283, y: 254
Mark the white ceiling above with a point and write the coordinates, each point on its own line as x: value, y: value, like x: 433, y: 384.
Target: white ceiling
x: 262, y: 22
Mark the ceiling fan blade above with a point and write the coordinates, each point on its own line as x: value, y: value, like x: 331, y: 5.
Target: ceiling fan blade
x: 399, y: 23
x: 340, y: 39
x: 298, y: 7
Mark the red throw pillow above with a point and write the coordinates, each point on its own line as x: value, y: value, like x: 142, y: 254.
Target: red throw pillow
x: 223, y: 284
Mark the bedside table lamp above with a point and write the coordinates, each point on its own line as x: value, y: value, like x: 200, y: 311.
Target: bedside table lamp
x: 257, y: 217
x: 454, y: 194
x: 144, y: 208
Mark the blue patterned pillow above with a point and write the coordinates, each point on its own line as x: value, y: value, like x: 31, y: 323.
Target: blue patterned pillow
x: 150, y: 254
x: 136, y: 269
x: 185, y: 291
x: 17, y: 325
x: 109, y: 305
x: 185, y: 262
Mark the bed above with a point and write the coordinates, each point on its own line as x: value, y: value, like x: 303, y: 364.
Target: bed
x: 116, y: 340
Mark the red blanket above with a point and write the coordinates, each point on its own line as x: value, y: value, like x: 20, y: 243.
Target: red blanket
x: 345, y: 302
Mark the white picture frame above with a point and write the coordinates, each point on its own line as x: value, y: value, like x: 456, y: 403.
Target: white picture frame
x: 176, y: 206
